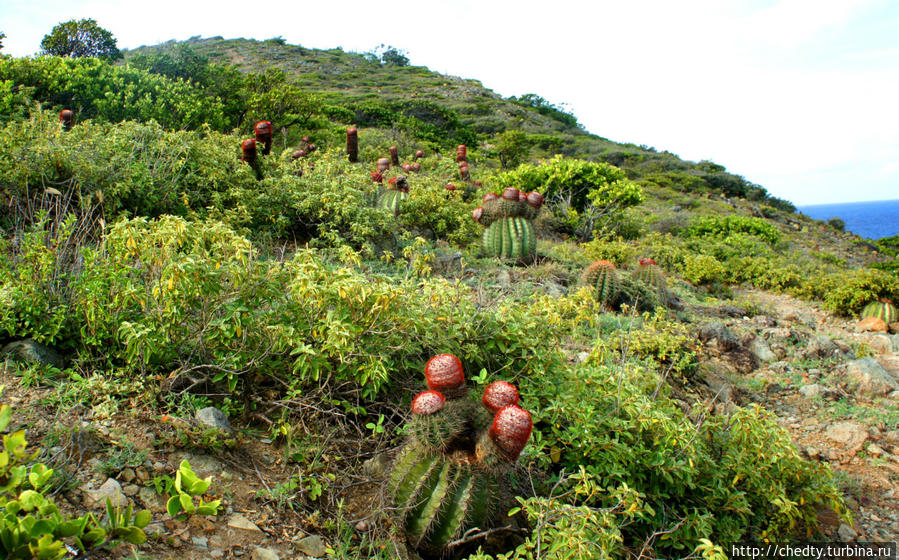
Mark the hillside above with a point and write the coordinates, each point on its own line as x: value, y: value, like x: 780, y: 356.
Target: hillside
x: 688, y: 349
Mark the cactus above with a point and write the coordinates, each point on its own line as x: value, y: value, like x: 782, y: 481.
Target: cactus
x: 248, y: 155
x: 650, y: 274
x: 510, y: 231
x: 392, y: 198
x: 447, y: 480
x: 419, y: 154
x: 352, y: 144
x: 510, y: 238
x: 297, y: 154
x: 603, y: 279
x: 263, y: 132
x: 461, y: 153
x: 883, y: 309
x: 67, y: 118
x: 464, y: 172
x: 383, y: 164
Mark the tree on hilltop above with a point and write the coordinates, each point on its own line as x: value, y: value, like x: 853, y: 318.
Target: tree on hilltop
x: 2, y: 36
x: 76, y: 39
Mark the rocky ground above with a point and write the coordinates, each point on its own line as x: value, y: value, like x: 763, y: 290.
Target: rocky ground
x: 833, y: 387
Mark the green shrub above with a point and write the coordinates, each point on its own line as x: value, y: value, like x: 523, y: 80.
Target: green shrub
x: 723, y: 226
x: 847, y: 292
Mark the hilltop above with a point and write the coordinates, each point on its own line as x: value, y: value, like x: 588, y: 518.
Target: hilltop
x: 687, y: 346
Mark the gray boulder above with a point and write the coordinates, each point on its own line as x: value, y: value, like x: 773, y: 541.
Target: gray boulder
x: 868, y: 378
x: 29, y: 352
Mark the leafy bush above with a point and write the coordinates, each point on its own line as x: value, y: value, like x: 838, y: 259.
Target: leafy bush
x: 847, y: 292
x: 722, y: 226
x: 588, y: 197
x: 96, y: 89
x: 699, y: 477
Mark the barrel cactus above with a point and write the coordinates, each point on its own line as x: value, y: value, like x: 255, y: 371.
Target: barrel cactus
x: 448, y: 478
x: 602, y: 278
x: 650, y: 274
x: 392, y: 198
x: 352, y: 144
x: 67, y: 118
x: 883, y: 309
x: 509, y: 222
x: 263, y: 133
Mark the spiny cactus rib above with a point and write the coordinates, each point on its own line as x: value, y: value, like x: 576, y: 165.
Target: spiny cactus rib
x: 510, y: 238
x: 882, y: 310
x: 650, y: 274
x: 392, y: 201
x: 444, y: 373
x: 603, y: 279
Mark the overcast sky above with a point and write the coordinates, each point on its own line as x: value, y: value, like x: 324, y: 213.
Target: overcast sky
x: 799, y: 96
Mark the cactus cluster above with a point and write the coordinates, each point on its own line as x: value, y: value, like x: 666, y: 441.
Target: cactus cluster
x: 508, y: 219
x: 263, y: 135
x: 447, y: 480
x: 392, y: 198
x: 602, y: 278
x: 883, y: 309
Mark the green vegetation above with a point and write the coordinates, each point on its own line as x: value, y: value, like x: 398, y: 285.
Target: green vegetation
x: 80, y: 38
x: 168, y: 275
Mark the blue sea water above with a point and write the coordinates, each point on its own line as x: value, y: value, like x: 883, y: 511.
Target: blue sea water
x: 869, y: 219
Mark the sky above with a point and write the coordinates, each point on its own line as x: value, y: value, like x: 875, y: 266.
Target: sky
x: 799, y: 96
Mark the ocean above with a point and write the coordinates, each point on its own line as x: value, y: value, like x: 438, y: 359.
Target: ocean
x: 869, y: 219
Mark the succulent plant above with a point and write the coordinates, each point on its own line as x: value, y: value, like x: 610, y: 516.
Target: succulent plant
x: 383, y: 164
x: 461, y: 153
x: 248, y: 151
x: 602, y: 278
x: 394, y: 155
x: 297, y: 154
x: 464, y: 172
x: 447, y: 480
x: 392, y: 198
x: 508, y: 219
x: 352, y: 144
x: 263, y: 132
x: 67, y: 118
x: 416, y: 167
x: 419, y: 154
x: 650, y: 274
x: 883, y: 309
x: 450, y: 187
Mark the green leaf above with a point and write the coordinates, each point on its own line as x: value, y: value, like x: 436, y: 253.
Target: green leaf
x: 173, y: 506
x: 5, y: 416
x: 143, y: 518
x: 134, y: 535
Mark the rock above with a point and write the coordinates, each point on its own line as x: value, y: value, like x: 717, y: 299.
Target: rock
x: 868, y: 378
x: 874, y: 450
x: 812, y: 391
x: 813, y: 453
x: 504, y: 279
x: 581, y: 357
x: 312, y: 546
x: 128, y: 474
x: 214, y: 418
x: 731, y: 311
x: 377, y: 465
x: 131, y: 490
x: 554, y: 289
x: 238, y: 521
x: 880, y: 343
x: 154, y: 529
x: 200, y: 542
x: 29, y: 352
x: 110, y: 489
x: 892, y: 437
x: 851, y: 434
x: 759, y: 348
x: 847, y: 533
x: 718, y: 385
x: 871, y: 324
x: 821, y: 347
x: 447, y: 263
x: 894, y: 328
x: 260, y: 553
x: 362, y: 526
x: 151, y: 500
x: 717, y: 333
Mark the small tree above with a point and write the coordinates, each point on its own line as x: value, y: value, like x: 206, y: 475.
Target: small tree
x: 2, y: 36
x: 392, y: 55
x: 80, y: 38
